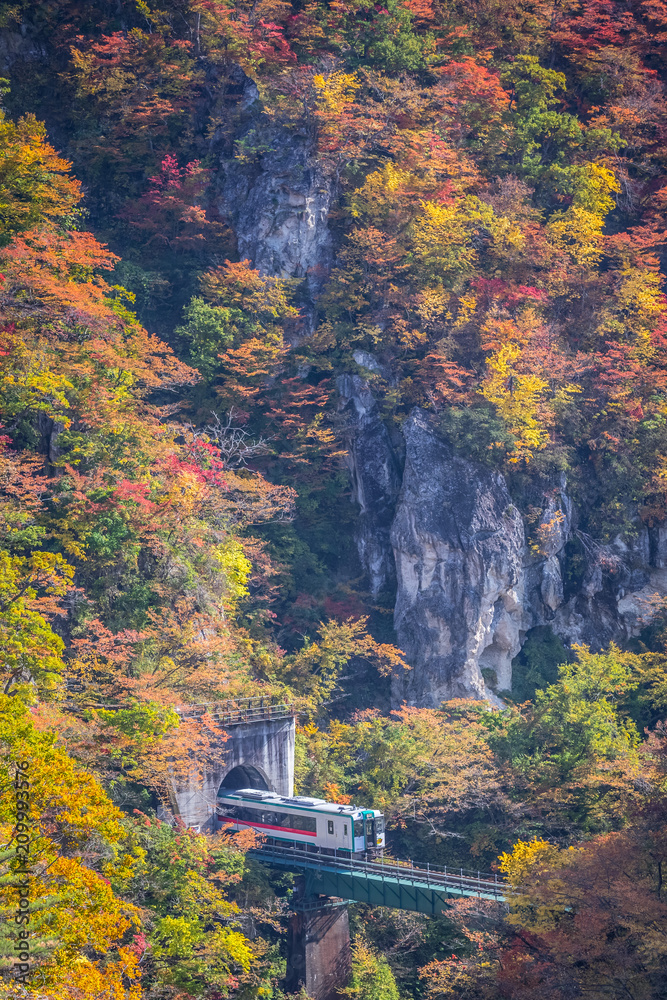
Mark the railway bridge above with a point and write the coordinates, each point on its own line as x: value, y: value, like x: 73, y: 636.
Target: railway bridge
x: 259, y: 753
x: 319, y: 932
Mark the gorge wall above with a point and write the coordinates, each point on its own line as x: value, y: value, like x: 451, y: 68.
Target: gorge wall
x: 277, y: 195
x: 469, y: 582
x: 438, y: 535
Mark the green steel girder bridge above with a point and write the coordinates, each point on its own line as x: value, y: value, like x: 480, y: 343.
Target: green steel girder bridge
x: 383, y: 882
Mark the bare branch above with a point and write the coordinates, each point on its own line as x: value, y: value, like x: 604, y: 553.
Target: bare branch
x: 236, y: 445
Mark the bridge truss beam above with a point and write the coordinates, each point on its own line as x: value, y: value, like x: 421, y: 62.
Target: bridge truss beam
x: 399, y: 885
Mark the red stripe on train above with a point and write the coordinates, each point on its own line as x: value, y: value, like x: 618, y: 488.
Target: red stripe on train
x: 266, y: 826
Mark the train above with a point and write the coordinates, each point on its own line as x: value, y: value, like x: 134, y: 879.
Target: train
x: 325, y: 827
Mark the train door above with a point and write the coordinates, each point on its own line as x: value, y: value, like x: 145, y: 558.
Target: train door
x: 346, y: 834
x: 358, y: 834
x: 369, y: 829
x: 379, y: 831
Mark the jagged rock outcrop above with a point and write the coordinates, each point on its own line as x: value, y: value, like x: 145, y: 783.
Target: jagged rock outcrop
x: 554, y: 530
x: 469, y: 582
x: 376, y: 479
x: 277, y: 196
x: 615, y: 595
x: 459, y: 547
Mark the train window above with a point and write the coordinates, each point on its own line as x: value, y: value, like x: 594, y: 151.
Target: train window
x: 304, y: 824
x: 345, y: 829
x: 369, y: 827
x: 379, y: 824
x: 330, y: 826
x: 358, y: 827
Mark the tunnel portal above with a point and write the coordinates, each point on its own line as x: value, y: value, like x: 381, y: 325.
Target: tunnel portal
x: 256, y: 750
x: 243, y: 776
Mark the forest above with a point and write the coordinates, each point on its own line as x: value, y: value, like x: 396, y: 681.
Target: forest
x: 481, y: 241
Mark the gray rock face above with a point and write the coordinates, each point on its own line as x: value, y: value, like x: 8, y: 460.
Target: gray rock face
x: 619, y: 586
x: 376, y: 480
x: 280, y: 215
x: 278, y: 198
x: 469, y: 586
x: 459, y: 549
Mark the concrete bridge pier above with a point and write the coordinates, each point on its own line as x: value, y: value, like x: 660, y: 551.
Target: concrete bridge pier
x: 318, y: 956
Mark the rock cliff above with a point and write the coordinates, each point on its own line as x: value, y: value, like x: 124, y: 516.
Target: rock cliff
x: 437, y: 534
x: 469, y: 582
x: 277, y: 195
x: 376, y: 480
x: 458, y: 543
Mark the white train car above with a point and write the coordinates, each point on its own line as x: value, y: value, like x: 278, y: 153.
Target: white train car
x: 318, y: 825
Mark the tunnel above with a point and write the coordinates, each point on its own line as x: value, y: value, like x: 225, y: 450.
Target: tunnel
x: 243, y: 776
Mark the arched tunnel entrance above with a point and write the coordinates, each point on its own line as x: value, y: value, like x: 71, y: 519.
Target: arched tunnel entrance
x: 243, y: 776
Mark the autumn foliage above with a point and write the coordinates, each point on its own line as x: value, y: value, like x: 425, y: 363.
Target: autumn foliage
x: 175, y: 516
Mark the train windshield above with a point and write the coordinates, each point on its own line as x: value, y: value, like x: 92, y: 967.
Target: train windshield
x: 379, y: 824
x: 369, y: 827
x: 358, y: 827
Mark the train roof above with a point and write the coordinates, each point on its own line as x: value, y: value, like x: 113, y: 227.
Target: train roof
x: 298, y: 801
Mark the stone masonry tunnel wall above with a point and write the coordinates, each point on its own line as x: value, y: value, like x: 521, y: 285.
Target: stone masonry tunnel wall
x: 263, y: 750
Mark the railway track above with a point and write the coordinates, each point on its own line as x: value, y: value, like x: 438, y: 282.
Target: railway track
x: 455, y: 881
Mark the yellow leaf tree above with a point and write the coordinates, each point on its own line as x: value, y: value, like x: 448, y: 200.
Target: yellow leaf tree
x: 517, y: 397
